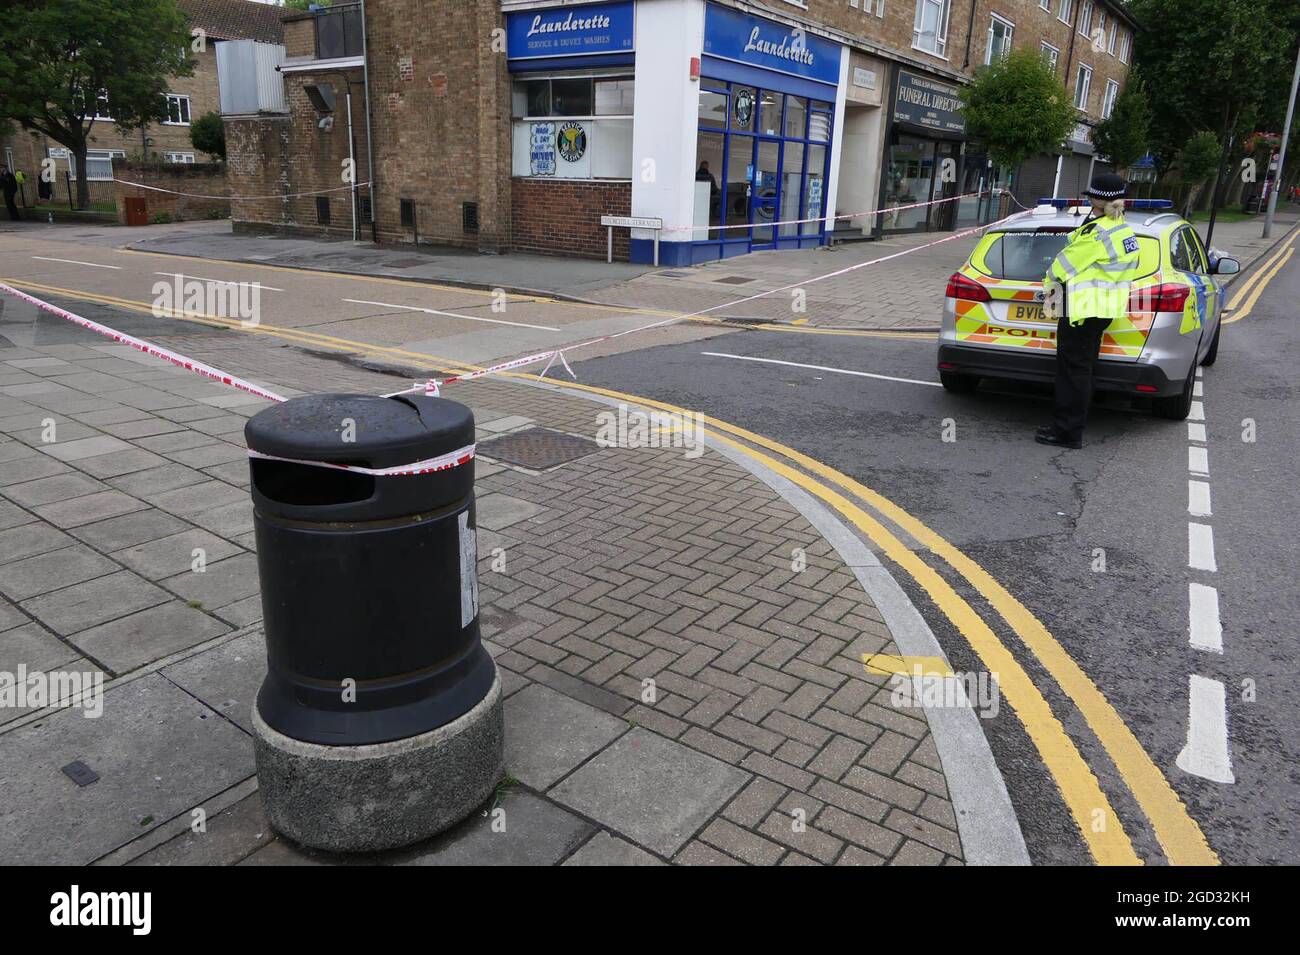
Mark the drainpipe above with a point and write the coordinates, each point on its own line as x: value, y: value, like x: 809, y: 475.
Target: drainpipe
x: 970, y: 33
x: 370, y: 139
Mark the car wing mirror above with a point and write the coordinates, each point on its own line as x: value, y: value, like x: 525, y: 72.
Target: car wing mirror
x: 1225, y: 265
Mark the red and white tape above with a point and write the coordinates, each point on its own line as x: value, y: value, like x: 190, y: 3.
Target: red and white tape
x: 281, y: 195
x: 442, y: 462
x: 737, y: 226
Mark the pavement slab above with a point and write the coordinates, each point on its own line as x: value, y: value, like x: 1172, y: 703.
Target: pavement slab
x: 549, y: 734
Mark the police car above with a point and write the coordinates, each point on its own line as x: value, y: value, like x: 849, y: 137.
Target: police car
x: 994, y: 324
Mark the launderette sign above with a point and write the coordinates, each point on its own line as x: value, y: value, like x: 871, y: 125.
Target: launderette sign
x: 570, y: 31
x: 732, y: 35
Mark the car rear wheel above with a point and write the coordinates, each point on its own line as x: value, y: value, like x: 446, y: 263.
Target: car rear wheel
x: 958, y: 384
x: 1212, y: 355
x: 1176, y: 407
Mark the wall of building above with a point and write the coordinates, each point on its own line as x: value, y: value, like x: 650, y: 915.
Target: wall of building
x: 563, y: 216
x: 186, y: 185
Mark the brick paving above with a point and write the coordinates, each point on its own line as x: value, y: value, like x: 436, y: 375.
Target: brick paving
x: 645, y: 601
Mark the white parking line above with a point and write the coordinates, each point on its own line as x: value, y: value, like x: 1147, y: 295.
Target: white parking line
x: 200, y: 278
x: 1198, y: 499
x: 1198, y: 388
x: 1200, y: 547
x: 1196, y: 432
x: 838, y: 371
x: 468, y: 318
x: 93, y: 265
x: 1203, y: 618
x: 1206, y: 752
x: 1198, y: 460
x: 1197, y: 413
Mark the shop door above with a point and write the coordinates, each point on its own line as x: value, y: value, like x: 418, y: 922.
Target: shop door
x: 765, y: 198
x: 943, y: 215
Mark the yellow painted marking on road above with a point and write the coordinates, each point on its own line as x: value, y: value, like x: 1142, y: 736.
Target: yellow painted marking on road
x: 1175, y: 829
x: 888, y: 664
x: 800, y: 321
x: 1263, y: 284
x: 1239, y: 294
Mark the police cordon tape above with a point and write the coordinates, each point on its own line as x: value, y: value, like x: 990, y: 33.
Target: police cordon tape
x: 434, y: 386
x: 282, y: 195
x: 442, y: 462
x: 739, y: 226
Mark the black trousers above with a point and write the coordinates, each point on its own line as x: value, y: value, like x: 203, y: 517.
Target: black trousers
x: 1077, y: 348
x: 13, y: 209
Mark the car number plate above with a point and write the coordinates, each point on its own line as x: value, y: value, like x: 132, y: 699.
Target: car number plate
x: 1027, y: 313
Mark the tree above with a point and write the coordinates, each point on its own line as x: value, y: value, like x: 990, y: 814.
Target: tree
x: 67, y: 64
x: 1122, y: 136
x: 1213, y: 65
x: 1018, y: 108
x: 208, y: 134
x: 304, y: 4
x: 1198, y: 160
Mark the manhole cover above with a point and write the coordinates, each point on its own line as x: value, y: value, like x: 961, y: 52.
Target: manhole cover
x: 538, y: 449
x: 671, y: 275
x: 733, y: 280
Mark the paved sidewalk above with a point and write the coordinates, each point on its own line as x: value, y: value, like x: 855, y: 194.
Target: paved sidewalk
x: 126, y: 549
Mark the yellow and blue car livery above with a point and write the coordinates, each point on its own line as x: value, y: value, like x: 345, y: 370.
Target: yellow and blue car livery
x: 994, y: 324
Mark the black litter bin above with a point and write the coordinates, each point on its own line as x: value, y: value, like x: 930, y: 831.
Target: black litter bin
x: 369, y: 595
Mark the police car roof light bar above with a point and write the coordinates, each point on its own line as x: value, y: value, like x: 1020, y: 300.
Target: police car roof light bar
x: 1128, y: 203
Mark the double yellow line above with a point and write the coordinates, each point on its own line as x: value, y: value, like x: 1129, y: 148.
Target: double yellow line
x: 1249, y: 293
x: 1178, y: 834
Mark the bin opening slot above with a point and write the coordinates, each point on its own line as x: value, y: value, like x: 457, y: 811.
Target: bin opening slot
x: 305, y: 485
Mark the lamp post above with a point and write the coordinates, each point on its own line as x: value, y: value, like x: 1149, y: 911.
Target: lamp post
x: 1281, y: 156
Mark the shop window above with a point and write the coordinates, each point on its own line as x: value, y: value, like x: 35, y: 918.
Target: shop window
x: 713, y: 109
x: 791, y: 184
x: 769, y: 112
x: 708, y: 187
x: 740, y: 170
x: 744, y: 108
x: 573, y: 127
x: 796, y: 117
x: 814, y: 190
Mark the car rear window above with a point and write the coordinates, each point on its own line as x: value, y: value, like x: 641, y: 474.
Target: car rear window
x: 1025, y: 256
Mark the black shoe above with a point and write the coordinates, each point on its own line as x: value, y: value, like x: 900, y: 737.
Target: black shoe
x: 1050, y: 436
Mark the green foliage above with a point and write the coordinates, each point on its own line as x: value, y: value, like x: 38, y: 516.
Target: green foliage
x: 1122, y: 137
x: 1199, y: 158
x: 304, y: 4
x: 57, y: 57
x: 1018, y: 108
x: 208, y: 134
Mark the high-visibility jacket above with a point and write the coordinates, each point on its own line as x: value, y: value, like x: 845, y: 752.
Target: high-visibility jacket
x: 1096, y: 266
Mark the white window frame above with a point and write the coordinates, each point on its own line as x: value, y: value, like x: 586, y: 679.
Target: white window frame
x: 185, y: 158
x: 187, y: 112
x: 100, y: 154
x: 1052, y: 54
x: 1046, y: 5
x: 1082, y: 87
x: 867, y: 6
x: 1108, y: 101
x: 1085, y: 18
x: 1125, y: 46
x: 1114, y: 29
x: 941, y: 28
x: 994, y: 20
x: 1101, y: 26
x: 1064, y: 11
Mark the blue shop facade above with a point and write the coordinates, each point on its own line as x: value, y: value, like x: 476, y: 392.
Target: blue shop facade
x: 721, y: 124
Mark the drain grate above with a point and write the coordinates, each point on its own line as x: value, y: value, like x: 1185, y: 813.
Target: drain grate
x: 538, y: 449
x: 733, y: 280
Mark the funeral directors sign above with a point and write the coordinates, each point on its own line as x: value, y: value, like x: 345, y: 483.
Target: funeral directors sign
x: 570, y: 31
x: 927, y: 102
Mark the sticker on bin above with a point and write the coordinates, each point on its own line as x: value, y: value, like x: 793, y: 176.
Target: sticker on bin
x: 468, y: 571
x: 443, y: 462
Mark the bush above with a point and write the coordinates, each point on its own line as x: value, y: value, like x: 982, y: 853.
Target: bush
x: 1018, y: 108
x: 208, y: 134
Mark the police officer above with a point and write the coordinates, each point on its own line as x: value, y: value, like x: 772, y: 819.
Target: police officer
x: 1090, y: 278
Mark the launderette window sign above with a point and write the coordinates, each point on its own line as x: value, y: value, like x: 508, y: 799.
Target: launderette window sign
x: 571, y: 31
x: 755, y: 41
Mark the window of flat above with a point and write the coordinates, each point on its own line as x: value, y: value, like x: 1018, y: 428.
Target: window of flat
x: 1085, y: 18
x: 1064, y: 10
x: 1110, y: 43
x: 999, y: 39
x: 338, y: 32
x: 573, y: 126
x: 930, y: 27
x: 1108, y: 103
x: 178, y: 157
x: 1050, y: 55
x: 178, y: 110
x: 1082, y: 86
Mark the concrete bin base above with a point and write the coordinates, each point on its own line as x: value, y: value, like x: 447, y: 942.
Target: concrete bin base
x: 382, y: 795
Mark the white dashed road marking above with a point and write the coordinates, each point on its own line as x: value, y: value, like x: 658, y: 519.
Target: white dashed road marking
x: 93, y: 265
x: 837, y: 371
x: 1200, y: 547
x: 1206, y: 752
x: 1198, y: 460
x: 1203, y: 618
x: 1198, y: 499
x: 200, y: 278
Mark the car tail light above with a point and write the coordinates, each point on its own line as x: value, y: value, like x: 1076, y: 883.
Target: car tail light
x: 1168, y: 297
x: 947, y: 366
x: 1146, y: 388
x: 961, y: 287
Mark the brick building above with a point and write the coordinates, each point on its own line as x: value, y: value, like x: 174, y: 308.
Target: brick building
x: 189, y: 98
x: 517, y: 124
